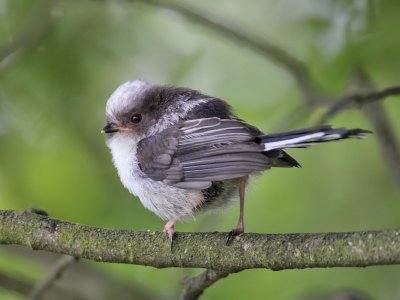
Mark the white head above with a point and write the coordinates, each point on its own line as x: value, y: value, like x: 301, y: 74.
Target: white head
x: 123, y: 98
x: 141, y: 109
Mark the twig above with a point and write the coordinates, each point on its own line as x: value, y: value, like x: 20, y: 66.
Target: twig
x: 56, y: 272
x: 193, y: 287
x: 358, y: 99
x: 384, y: 131
x: 34, y: 29
x: 262, y: 46
x: 388, y: 144
x: 201, y: 250
x: 375, y: 113
x: 24, y: 286
x: 18, y: 285
x: 80, y: 278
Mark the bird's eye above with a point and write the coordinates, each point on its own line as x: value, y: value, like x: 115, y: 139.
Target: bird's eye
x: 136, y: 117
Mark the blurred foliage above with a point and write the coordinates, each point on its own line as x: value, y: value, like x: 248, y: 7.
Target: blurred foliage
x: 60, y: 60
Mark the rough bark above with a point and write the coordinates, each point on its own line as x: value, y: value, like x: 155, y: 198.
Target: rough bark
x: 201, y: 250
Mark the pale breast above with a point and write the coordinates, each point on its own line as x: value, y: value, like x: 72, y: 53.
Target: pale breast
x: 165, y: 201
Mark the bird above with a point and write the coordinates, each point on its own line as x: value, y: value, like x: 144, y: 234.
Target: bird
x: 182, y: 152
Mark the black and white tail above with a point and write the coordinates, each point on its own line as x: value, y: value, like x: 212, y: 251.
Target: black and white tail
x: 301, y: 138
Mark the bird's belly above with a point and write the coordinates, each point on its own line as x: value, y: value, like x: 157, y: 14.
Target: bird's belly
x: 167, y: 202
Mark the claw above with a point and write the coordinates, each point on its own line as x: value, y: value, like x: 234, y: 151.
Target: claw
x: 171, y: 240
x: 232, y: 234
x: 229, y: 238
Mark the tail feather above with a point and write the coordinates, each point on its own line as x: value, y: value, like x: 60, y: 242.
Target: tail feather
x: 306, y: 137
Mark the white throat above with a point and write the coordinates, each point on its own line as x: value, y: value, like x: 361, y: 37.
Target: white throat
x: 123, y: 150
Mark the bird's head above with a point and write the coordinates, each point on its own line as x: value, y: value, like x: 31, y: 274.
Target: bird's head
x: 138, y: 108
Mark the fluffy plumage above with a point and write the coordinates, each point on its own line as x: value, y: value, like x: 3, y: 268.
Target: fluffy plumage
x: 188, y: 152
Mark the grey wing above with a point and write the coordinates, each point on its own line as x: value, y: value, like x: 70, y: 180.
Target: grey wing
x: 201, y: 151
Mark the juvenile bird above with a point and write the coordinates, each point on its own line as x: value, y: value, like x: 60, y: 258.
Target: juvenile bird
x: 183, y: 152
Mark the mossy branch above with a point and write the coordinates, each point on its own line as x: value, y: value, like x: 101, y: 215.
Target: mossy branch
x: 201, y: 250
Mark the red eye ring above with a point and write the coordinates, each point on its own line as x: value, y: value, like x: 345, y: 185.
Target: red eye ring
x: 136, y: 117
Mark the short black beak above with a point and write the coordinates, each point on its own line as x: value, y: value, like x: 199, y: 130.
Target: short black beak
x: 109, y: 128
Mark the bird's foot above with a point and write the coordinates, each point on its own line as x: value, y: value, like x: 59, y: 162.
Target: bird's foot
x: 169, y: 230
x: 234, y: 232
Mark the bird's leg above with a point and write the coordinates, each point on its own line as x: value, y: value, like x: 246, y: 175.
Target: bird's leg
x: 169, y: 230
x: 240, y: 225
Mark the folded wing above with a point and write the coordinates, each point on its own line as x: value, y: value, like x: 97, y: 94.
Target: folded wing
x: 201, y: 151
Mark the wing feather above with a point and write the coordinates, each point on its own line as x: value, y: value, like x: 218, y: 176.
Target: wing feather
x: 201, y: 151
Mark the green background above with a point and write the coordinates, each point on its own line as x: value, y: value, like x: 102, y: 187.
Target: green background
x: 69, y: 56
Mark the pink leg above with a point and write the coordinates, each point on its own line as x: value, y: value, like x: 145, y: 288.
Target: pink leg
x: 240, y: 225
x: 169, y: 229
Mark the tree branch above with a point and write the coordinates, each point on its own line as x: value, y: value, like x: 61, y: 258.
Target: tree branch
x: 386, y: 136
x: 194, y: 286
x: 54, y: 274
x: 267, y: 49
x: 35, y: 28
x: 77, y: 281
x: 360, y: 98
x: 14, y: 284
x: 201, y: 250
x: 23, y: 287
